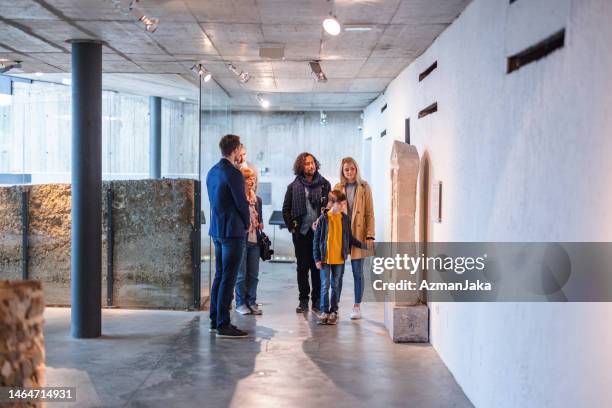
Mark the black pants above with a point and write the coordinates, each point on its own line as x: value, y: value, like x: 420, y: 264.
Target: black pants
x: 306, y: 263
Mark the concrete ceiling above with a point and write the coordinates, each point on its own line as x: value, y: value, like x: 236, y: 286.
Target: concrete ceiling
x: 358, y: 64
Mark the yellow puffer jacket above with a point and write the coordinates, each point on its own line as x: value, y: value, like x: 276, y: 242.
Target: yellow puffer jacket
x: 362, y: 221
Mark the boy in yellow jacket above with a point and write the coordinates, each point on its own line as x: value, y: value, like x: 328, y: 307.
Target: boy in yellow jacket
x: 332, y: 244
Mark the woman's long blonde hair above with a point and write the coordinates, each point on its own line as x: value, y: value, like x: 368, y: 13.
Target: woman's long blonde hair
x: 349, y: 160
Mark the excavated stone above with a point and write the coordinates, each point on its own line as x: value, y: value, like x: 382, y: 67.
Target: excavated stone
x: 22, y: 345
x: 152, y: 221
x: 406, y: 321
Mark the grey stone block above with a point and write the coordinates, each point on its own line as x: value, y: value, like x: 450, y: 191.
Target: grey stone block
x: 410, y: 324
x: 152, y: 221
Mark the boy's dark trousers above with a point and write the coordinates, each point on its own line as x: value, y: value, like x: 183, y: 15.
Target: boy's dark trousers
x: 306, y: 264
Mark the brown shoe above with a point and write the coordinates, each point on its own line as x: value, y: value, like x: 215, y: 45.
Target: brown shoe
x: 333, y: 318
x: 323, y: 318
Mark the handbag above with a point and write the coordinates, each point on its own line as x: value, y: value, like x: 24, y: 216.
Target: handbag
x: 265, y: 247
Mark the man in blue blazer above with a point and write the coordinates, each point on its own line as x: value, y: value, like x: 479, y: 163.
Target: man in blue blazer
x: 228, y: 228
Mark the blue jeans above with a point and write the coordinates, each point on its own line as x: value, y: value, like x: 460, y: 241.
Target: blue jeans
x: 229, y: 253
x: 248, y: 276
x: 335, y: 273
x: 357, y: 267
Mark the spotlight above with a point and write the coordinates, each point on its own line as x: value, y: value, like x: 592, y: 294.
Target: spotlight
x: 243, y: 76
x: 201, y: 71
x: 263, y: 101
x: 318, y: 73
x: 7, y: 65
x: 150, y: 23
x: 331, y: 25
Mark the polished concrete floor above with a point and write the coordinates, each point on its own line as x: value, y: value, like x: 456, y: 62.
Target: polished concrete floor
x: 168, y: 359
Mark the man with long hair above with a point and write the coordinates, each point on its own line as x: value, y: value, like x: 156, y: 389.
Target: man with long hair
x: 304, y: 199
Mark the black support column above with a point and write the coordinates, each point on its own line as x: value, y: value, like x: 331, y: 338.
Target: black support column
x: 155, y: 137
x: 86, y: 257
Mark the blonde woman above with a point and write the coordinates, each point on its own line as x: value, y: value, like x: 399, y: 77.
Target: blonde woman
x: 248, y: 273
x: 360, y: 209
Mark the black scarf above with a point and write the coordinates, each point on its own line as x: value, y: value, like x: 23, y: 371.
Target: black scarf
x: 298, y: 205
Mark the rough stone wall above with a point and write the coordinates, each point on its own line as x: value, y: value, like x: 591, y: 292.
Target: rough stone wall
x: 49, y: 240
x: 152, y: 244
x: 152, y: 241
x: 10, y: 232
x: 22, y: 345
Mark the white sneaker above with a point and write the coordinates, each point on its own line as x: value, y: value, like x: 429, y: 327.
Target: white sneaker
x: 243, y: 310
x: 356, y: 313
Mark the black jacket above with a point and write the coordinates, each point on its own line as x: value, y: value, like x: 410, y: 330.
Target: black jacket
x: 293, y: 224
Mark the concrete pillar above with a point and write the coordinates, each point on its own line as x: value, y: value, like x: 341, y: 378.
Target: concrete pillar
x: 86, y: 255
x: 155, y: 137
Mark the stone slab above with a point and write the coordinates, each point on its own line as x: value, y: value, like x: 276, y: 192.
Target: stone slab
x: 152, y: 221
x: 409, y: 324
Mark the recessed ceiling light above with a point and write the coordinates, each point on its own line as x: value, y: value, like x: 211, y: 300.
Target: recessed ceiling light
x: 331, y: 25
x: 318, y: 73
x: 182, y: 98
x: 66, y: 81
x: 38, y: 74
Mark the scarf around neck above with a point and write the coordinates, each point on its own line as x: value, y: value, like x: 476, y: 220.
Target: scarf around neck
x: 298, y: 207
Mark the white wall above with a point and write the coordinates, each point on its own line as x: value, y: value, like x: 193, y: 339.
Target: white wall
x: 522, y: 157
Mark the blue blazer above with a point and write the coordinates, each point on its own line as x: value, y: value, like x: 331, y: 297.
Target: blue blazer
x: 230, y: 209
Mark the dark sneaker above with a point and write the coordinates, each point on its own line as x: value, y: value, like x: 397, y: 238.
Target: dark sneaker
x: 231, y: 332
x: 212, y: 329
x: 333, y: 318
x: 302, y: 307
